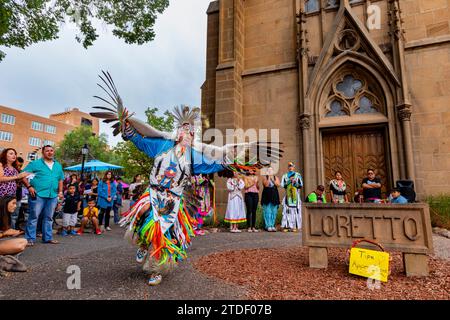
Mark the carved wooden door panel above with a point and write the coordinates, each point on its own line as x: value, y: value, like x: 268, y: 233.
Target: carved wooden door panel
x: 369, y: 152
x: 337, y: 156
x: 353, y: 153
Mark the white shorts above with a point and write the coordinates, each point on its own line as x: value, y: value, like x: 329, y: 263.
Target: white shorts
x: 69, y: 219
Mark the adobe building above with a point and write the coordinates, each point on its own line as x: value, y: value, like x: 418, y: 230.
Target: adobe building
x: 27, y: 132
x: 345, y: 93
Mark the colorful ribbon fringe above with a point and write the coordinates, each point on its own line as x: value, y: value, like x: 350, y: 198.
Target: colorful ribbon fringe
x: 165, y: 247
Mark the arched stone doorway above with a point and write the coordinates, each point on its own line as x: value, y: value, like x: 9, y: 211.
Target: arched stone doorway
x: 353, y: 128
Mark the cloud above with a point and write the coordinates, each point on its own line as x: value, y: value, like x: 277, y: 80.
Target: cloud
x: 52, y: 76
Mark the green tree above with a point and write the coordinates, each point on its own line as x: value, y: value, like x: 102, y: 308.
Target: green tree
x: 25, y: 22
x: 68, y: 151
x: 135, y: 161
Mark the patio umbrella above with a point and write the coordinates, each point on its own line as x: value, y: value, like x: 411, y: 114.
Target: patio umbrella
x: 94, y: 165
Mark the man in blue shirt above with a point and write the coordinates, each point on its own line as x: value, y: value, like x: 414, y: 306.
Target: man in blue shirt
x: 396, y: 197
x: 45, y: 187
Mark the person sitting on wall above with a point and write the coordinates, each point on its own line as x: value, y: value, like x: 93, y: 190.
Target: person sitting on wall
x: 396, y: 197
x: 317, y: 196
x: 371, y: 187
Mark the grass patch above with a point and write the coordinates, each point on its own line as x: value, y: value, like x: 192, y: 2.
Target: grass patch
x: 439, y: 210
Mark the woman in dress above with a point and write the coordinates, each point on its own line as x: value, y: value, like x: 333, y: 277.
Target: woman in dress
x: 235, y: 213
x: 338, y: 189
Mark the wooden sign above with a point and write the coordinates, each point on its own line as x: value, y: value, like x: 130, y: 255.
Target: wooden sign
x: 399, y: 227
x: 369, y: 264
x: 405, y: 228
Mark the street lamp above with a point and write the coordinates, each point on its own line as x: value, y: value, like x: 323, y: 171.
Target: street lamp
x: 84, y: 152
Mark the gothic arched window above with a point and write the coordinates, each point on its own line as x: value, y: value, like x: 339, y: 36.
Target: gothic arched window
x: 337, y: 109
x: 349, y: 86
x: 365, y: 105
x: 351, y: 94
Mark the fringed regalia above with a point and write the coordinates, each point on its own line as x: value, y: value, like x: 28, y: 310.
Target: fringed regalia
x: 292, y: 204
x: 161, y: 221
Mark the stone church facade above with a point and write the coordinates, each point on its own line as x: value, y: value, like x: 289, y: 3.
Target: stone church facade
x: 345, y: 93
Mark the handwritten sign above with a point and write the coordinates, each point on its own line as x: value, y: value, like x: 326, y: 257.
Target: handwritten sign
x: 369, y: 263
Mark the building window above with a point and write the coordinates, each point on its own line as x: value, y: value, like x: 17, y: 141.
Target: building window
x: 35, y: 142
x: 349, y: 86
x: 50, y: 129
x: 337, y: 109
x: 31, y: 156
x: 49, y: 143
x: 311, y: 6
x: 8, y: 119
x: 6, y: 136
x: 37, y: 126
x: 365, y: 105
x: 86, y: 122
x: 353, y: 93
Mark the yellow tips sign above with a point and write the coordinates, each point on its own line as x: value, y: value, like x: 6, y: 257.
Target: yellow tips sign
x: 369, y: 263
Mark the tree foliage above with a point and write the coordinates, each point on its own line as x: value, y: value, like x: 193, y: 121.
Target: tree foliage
x: 68, y: 151
x: 24, y: 22
x: 135, y: 161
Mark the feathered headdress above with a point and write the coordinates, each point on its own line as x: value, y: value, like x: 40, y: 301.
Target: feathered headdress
x: 185, y: 115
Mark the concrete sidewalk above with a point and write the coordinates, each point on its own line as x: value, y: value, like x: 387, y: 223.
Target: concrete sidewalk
x: 109, y: 271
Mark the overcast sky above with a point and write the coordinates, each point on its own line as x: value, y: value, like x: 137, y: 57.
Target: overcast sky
x: 51, y: 76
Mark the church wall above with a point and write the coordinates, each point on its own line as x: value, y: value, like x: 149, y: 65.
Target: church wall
x: 431, y: 116
x: 271, y: 102
x: 269, y: 85
x: 269, y: 33
x: 428, y: 71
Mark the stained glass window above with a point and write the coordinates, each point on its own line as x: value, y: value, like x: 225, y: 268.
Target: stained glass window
x: 365, y: 105
x: 336, y: 109
x: 349, y: 87
x: 311, y: 5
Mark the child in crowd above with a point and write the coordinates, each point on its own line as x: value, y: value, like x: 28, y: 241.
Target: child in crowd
x: 90, y: 213
x: 72, y: 204
x: 396, y: 197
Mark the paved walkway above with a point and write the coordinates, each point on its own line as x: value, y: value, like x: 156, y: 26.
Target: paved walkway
x: 109, y: 271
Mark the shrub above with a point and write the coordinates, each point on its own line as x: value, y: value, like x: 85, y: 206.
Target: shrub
x: 439, y: 210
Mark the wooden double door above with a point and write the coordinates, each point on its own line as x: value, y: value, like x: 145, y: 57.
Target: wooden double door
x: 353, y: 152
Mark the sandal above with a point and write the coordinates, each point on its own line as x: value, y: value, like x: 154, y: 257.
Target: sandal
x: 30, y: 244
x: 52, y: 242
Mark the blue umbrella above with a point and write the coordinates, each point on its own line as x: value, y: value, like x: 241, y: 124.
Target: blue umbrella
x: 94, y: 165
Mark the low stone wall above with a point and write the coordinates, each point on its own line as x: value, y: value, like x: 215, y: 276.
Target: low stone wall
x: 405, y: 228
